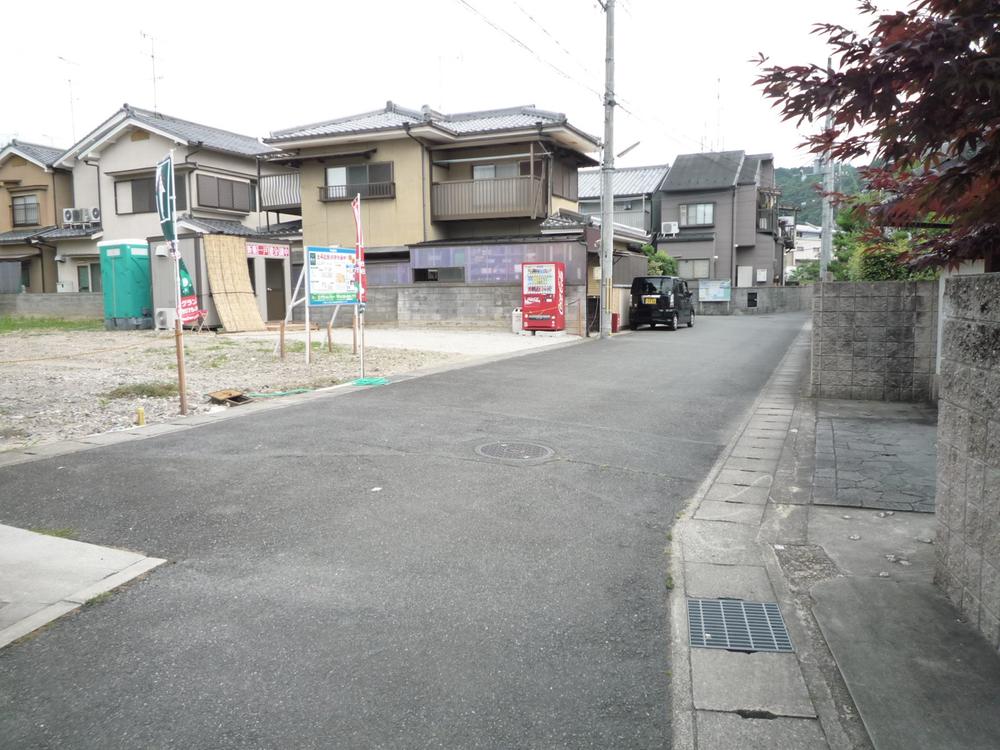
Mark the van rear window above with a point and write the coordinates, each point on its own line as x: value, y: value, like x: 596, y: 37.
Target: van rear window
x: 652, y: 285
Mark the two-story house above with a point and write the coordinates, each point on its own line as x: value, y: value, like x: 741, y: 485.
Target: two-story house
x: 216, y: 178
x: 725, y: 205
x: 33, y: 194
x: 452, y: 204
x: 635, y: 189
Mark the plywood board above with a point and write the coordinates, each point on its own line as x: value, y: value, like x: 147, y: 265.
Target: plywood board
x: 229, y: 281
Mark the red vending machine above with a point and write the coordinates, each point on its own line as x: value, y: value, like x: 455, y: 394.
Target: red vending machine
x: 543, y: 296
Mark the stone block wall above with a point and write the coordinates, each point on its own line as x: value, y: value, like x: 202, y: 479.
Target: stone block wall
x: 874, y: 341
x: 770, y: 299
x: 968, y: 471
x: 69, y: 305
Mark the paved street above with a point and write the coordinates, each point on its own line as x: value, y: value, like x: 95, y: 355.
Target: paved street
x: 351, y: 572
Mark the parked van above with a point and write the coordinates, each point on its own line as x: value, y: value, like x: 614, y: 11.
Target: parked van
x: 660, y: 300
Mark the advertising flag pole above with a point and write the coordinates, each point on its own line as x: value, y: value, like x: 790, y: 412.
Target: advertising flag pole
x: 362, y: 280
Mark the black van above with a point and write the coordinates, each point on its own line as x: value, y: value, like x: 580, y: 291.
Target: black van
x: 660, y: 299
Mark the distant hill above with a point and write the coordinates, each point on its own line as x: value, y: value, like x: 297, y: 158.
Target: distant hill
x: 798, y: 188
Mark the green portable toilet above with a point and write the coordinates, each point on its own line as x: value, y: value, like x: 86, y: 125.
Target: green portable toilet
x: 125, y: 279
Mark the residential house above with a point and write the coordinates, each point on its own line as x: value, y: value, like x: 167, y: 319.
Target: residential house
x: 216, y: 180
x: 726, y: 208
x: 808, y: 240
x: 635, y: 189
x: 452, y: 204
x: 35, y: 192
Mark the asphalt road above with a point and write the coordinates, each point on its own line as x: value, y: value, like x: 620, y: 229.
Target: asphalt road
x: 465, y: 603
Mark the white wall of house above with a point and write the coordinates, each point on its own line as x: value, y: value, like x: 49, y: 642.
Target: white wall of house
x: 73, y: 254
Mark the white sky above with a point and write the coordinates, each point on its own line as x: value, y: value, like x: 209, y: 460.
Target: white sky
x: 683, y: 69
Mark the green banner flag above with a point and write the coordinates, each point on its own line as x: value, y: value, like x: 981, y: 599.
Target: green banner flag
x: 165, y: 200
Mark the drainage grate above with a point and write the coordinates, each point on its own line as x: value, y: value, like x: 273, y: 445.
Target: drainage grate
x: 515, y: 451
x: 736, y: 625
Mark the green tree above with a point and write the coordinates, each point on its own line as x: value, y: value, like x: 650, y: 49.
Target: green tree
x: 806, y: 272
x: 660, y: 264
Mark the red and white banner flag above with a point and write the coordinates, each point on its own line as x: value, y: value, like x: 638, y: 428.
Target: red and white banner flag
x: 360, y: 240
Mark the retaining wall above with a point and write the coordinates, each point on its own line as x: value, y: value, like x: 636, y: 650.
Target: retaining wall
x: 968, y: 438
x: 71, y: 305
x: 770, y: 299
x: 874, y: 341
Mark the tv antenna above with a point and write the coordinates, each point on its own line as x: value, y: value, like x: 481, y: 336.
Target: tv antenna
x: 72, y: 105
x: 152, y: 58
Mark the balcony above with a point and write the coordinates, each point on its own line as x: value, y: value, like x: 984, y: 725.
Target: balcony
x: 329, y: 193
x: 281, y: 192
x: 500, y: 198
x: 767, y: 220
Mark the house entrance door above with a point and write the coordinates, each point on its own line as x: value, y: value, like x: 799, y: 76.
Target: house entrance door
x: 274, y: 271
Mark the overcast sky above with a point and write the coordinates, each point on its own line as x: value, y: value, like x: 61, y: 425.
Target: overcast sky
x: 683, y: 70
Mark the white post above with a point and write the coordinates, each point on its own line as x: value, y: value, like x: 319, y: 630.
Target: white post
x: 607, y: 172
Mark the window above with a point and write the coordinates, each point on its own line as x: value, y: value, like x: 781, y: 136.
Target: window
x: 439, y: 274
x: 25, y: 210
x: 138, y: 195
x: 697, y: 215
x: 88, y: 276
x: 696, y: 268
x: 370, y: 180
x: 496, y: 171
x: 231, y: 195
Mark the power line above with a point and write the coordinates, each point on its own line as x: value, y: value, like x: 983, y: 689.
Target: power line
x: 529, y: 50
x: 553, y: 38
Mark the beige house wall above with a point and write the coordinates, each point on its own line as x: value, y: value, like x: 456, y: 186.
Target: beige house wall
x: 396, y: 221
x: 54, y: 191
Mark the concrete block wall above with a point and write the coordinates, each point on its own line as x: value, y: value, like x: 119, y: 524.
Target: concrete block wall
x: 68, y: 305
x: 770, y: 299
x: 968, y: 437
x: 874, y: 340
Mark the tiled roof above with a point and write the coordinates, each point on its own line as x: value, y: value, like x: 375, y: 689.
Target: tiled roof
x: 625, y: 181
x: 219, y: 226
x: 706, y: 171
x: 565, y: 221
x: 283, y: 228
x: 394, y: 116
x: 19, y: 236
x: 195, y: 134
x: 46, y: 155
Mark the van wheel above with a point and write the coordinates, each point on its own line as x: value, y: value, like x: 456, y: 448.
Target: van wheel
x: 674, y: 323
x: 691, y: 320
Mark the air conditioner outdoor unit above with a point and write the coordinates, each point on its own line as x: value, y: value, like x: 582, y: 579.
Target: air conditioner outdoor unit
x: 72, y: 216
x: 95, y: 214
x: 164, y: 318
x: 669, y: 227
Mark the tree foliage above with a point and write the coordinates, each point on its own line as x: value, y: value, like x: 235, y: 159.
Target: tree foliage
x: 660, y: 264
x: 919, y: 92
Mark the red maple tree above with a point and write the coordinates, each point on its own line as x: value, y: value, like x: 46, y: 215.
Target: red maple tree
x: 918, y: 95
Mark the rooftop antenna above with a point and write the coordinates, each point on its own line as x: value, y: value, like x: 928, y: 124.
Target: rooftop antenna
x: 152, y: 57
x: 72, y: 106
x: 718, y: 114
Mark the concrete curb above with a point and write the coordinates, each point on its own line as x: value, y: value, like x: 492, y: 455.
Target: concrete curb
x: 67, y: 604
x: 179, y: 423
x: 736, y: 550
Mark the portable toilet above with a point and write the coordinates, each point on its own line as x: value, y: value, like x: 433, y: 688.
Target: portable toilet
x: 125, y: 279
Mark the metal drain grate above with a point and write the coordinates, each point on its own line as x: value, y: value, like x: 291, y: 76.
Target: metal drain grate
x: 736, y: 625
x: 515, y: 451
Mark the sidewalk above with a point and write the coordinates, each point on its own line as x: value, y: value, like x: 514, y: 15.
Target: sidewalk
x: 824, y: 510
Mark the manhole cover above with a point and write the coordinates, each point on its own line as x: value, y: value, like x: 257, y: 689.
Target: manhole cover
x: 736, y: 625
x: 515, y: 451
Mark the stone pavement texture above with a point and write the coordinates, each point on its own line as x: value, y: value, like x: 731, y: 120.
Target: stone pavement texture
x: 44, y: 577
x: 881, y: 659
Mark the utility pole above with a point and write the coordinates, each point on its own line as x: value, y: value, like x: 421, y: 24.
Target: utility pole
x: 826, y: 239
x: 607, y: 174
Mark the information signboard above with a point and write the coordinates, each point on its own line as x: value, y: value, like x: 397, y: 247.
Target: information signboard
x: 331, y: 276
x: 715, y: 290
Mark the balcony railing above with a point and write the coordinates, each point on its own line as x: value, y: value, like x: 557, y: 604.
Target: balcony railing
x: 504, y: 197
x: 280, y: 192
x: 767, y: 220
x: 347, y: 192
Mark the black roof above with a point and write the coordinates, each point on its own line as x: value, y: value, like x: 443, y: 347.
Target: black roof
x: 706, y: 171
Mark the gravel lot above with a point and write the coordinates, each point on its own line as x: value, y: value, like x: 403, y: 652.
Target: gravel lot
x: 58, y: 385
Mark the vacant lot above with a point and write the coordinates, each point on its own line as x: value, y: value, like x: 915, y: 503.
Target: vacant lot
x: 58, y: 381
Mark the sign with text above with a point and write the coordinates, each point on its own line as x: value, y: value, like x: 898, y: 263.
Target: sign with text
x: 331, y: 276
x: 715, y: 290
x: 260, y: 250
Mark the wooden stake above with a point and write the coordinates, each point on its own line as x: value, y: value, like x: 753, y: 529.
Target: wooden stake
x: 181, y: 377
x: 281, y: 340
x: 329, y: 336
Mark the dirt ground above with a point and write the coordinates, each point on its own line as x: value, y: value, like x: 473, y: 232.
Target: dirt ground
x: 62, y: 384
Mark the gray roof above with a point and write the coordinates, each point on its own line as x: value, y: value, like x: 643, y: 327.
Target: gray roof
x: 192, y: 133
x: 625, y: 181
x: 394, y: 116
x: 219, y: 226
x: 46, y: 155
x: 283, y: 228
x: 706, y: 171
x: 748, y: 174
x: 20, y: 236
